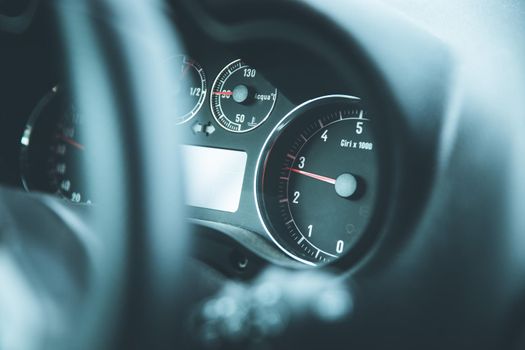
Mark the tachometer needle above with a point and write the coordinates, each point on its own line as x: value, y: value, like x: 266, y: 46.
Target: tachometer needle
x: 71, y: 142
x: 313, y: 176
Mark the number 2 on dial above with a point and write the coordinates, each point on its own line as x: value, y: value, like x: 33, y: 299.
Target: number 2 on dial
x: 296, y: 196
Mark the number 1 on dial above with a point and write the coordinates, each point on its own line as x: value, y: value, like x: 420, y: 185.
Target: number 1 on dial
x: 310, y: 229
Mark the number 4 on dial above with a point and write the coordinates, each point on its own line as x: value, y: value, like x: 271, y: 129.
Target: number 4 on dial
x: 324, y: 136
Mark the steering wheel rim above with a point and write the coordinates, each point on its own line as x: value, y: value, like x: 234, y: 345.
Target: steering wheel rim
x: 112, y: 82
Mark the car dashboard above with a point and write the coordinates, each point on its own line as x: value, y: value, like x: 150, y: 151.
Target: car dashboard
x: 259, y: 160
x: 369, y: 150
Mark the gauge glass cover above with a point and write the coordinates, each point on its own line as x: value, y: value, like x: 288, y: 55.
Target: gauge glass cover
x: 317, y: 179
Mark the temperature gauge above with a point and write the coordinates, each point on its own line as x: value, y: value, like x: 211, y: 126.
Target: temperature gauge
x: 241, y: 99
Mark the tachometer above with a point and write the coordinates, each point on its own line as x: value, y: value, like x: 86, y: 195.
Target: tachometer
x: 317, y: 179
x: 241, y: 98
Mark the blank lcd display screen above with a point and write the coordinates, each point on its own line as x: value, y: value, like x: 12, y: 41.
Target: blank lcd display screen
x: 213, y: 177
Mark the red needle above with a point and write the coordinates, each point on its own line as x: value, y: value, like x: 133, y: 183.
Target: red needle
x: 71, y: 142
x: 225, y: 93
x: 313, y: 176
x: 186, y: 69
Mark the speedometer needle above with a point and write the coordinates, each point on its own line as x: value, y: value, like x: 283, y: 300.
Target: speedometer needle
x: 313, y: 176
x: 71, y: 142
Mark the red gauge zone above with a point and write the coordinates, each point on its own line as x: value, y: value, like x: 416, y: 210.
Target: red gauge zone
x: 317, y: 179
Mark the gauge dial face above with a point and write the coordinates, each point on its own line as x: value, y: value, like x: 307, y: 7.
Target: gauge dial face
x: 241, y: 98
x: 191, y: 88
x: 66, y: 159
x: 52, y: 156
x: 317, y: 179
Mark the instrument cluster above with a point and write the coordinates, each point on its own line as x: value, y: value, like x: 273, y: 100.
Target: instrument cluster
x: 305, y: 175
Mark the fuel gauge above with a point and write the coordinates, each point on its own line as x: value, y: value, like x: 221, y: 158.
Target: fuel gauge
x: 190, y: 91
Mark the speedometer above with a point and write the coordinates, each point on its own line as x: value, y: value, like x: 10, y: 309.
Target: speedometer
x: 52, y: 154
x: 317, y: 179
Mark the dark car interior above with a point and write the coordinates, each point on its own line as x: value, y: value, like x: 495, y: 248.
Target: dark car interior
x: 238, y: 174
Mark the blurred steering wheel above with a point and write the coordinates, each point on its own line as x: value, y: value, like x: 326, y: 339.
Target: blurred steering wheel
x: 110, y: 277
